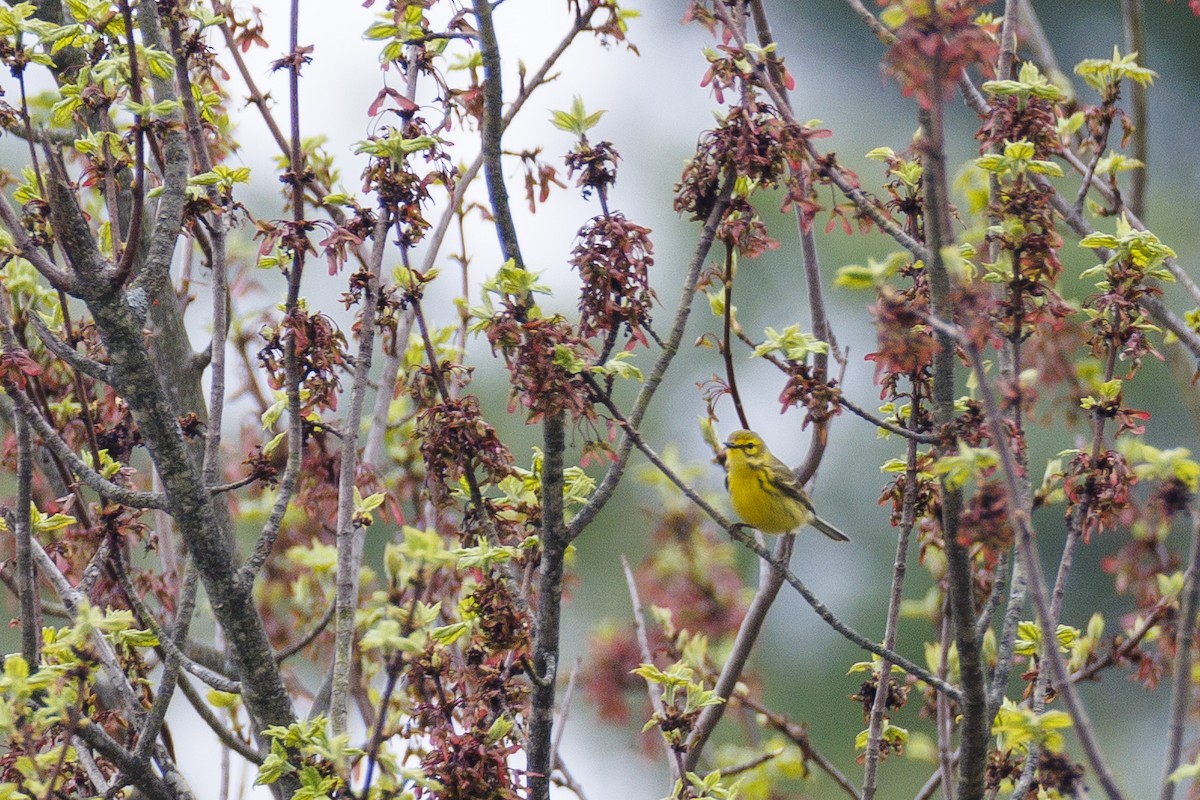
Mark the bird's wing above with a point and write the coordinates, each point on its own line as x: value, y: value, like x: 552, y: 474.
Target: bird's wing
x: 786, y: 480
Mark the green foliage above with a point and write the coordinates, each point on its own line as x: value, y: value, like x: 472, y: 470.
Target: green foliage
x: 1029, y: 638
x: 791, y: 343
x: 576, y: 121
x: 1030, y: 82
x: 1019, y: 728
x: 1017, y: 159
x: 306, y: 749
x: 871, y: 276
x: 1104, y: 74
x: 969, y: 463
x: 710, y: 787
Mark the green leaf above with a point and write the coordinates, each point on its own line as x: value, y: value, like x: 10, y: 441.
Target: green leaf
x: 791, y: 343
x: 577, y: 120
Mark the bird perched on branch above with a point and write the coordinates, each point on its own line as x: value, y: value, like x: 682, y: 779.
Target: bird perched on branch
x: 765, y: 493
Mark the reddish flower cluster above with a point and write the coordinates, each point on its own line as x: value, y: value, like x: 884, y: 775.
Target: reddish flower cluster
x: 320, y: 355
x: 1025, y: 119
x: 455, y: 439
x: 545, y: 358
x: 905, y: 344
x: 755, y: 143
x: 455, y: 706
x: 1102, y: 488
x: 596, y: 165
x: 818, y: 397
x: 984, y: 520
x: 614, y: 256
x: 938, y: 41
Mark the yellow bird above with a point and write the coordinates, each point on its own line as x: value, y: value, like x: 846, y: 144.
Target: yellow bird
x: 765, y: 493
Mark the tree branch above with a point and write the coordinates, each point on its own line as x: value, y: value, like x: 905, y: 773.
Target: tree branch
x: 1181, y: 674
x: 349, y: 533
x: 31, y: 618
x: 65, y: 352
x: 738, y: 533
x: 976, y: 724
x: 678, y: 768
x: 612, y: 476
x: 769, y: 583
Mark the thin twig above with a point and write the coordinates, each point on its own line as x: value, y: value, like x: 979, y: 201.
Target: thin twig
x: 1133, y: 15
x: 653, y: 690
x: 219, y: 284
x: 737, y: 533
x: 884, y: 674
x: 726, y: 343
x: 931, y: 785
x: 753, y: 763
x: 177, y: 637
x: 349, y: 533
x: 798, y: 734
x: 769, y: 583
x: 943, y: 720
x: 890, y: 427
x: 1181, y: 690
x: 308, y: 638
x: 227, y: 737
x: 1119, y: 653
x: 169, y: 641
x: 565, y: 708
x: 31, y: 623
x: 291, y: 371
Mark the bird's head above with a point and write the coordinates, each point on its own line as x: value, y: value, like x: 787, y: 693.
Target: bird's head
x: 748, y: 443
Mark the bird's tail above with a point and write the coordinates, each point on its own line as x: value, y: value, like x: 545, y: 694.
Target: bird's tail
x: 827, y: 529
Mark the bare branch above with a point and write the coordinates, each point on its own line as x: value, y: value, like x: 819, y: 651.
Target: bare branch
x: 738, y: 533
x: 93, y: 369
x: 227, y: 737
x: 349, y: 533
x: 652, y: 689
x: 31, y: 621
x: 976, y: 724
x: 90, y: 477
x: 1181, y: 690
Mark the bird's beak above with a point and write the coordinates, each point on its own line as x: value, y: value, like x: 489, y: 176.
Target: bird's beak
x: 730, y: 445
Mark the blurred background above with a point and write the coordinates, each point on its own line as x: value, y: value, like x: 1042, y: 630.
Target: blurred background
x: 656, y: 108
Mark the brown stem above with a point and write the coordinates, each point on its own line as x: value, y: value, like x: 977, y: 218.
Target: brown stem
x: 653, y: 690
x: 349, y: 534
x: 976, y: 724
x: 726, y: 349
x: 1181, y: 689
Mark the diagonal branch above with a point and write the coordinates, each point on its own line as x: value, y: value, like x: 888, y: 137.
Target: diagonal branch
x: 769, y: 583
x: 88, y: 476
x: 65, y: 352
x: 738, y: 533
x: 608, y: 484
x: 653, y: 690
x: 31, y: 252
